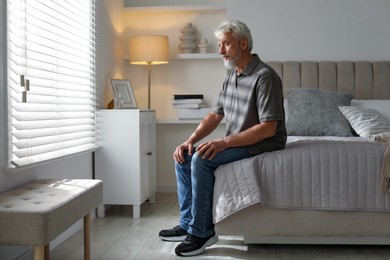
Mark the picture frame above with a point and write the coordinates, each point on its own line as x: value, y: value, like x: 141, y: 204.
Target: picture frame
x: 121, y: 89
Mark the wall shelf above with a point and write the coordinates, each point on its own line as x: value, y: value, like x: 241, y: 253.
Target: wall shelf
x: 176, y: 8
x: 190, y: 56
x: 184, y: 56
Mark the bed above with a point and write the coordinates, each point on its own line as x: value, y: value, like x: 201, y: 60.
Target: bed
x: 325, y: 186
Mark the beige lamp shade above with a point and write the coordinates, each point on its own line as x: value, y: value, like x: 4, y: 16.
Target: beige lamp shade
x: 149, y: 49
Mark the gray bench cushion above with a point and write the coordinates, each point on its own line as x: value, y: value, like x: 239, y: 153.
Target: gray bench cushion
x: 36, y: 213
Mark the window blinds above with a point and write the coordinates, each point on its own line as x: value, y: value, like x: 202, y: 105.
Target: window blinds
x: 51, y: 79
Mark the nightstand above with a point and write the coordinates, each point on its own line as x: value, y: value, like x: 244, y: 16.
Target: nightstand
x: 126, y: 160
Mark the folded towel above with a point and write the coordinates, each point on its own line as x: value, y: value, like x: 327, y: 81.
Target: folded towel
x: 384, y: 139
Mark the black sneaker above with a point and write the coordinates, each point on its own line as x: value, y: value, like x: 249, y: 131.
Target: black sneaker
x: 176, y: 234
x: 193, y: 245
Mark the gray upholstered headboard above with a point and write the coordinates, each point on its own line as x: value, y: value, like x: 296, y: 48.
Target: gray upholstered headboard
x: 362, y: 79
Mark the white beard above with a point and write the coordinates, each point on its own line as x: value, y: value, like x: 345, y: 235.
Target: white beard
x: 229, y: 64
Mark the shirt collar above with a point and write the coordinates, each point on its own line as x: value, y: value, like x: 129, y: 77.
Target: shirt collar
x: 251, y: 66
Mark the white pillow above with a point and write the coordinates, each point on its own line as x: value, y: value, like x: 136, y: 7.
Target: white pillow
x: 382, y: 106
x: 285, y: 109
x: 365, y: 121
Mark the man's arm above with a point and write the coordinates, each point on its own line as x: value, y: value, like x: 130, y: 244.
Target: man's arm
x: 250, y: 136
x: 207, y: 126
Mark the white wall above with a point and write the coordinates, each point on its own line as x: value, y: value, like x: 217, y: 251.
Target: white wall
x: 317, y: 29
x: 109, y: 48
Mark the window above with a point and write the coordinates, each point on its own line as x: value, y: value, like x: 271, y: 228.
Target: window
x: 51, y: 79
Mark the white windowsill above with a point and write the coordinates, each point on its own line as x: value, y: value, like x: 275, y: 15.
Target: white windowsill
x: 11, y: 169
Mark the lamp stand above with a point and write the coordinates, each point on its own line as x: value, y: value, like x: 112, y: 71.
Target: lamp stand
x: 149, y: 82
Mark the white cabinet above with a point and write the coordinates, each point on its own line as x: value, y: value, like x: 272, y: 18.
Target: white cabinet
x: 126, y: 161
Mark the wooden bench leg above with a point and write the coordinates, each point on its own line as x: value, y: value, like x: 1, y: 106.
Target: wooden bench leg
x: 39, y: 252
x: 47, y: 251
x: 87, y: 236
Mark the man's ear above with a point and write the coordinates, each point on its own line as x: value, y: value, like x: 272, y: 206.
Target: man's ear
x: 244, y: 43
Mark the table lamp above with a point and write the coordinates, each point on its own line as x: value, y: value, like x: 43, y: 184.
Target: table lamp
x: 149, y: 50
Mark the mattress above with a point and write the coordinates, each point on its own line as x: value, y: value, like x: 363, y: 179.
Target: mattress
x: 325, y: 173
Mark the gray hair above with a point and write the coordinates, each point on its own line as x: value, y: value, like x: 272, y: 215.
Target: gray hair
x: 238, y: 28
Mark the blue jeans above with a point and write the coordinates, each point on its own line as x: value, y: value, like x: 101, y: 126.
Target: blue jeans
x: 195, y: 188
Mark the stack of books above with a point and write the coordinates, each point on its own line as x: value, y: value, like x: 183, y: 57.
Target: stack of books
x: 190, y: 106
x: 188, y: 101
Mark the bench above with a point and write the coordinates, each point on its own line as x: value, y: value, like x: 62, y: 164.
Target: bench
x: 36, y: 213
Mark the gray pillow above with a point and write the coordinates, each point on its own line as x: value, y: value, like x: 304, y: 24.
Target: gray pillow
x: 365, y: 121
x: 315, y: 112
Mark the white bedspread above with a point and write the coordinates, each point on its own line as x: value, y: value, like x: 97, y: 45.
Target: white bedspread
x: 332, y: 173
